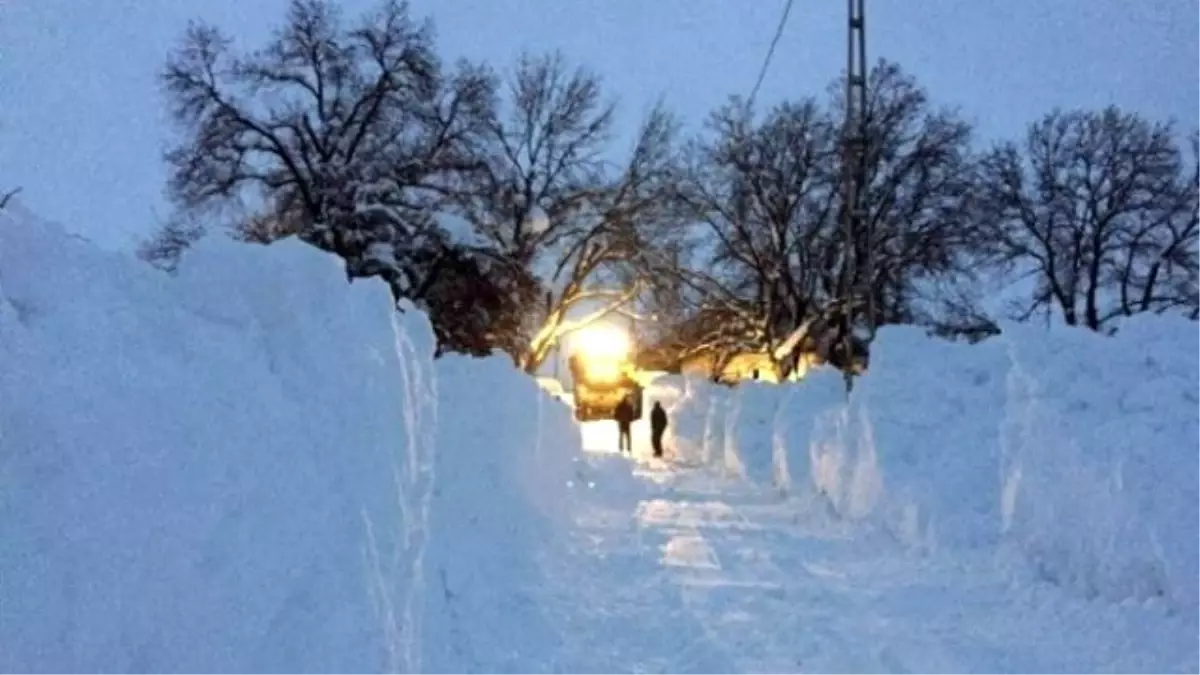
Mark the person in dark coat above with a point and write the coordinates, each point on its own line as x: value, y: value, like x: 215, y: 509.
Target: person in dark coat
x: 658, y: 425
x: 624, y: 415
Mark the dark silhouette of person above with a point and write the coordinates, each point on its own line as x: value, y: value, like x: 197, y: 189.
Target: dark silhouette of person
x: 658, y: 425
x: 624, y: 415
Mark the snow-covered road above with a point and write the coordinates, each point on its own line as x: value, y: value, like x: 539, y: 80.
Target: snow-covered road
x: 683, y: 571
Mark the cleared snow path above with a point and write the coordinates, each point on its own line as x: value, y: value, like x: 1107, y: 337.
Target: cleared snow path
x: 682, y: 571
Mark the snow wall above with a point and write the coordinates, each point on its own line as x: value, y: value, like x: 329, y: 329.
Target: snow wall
x: 255, y: 466
x: 508, y: 456
x: 1078, y: 452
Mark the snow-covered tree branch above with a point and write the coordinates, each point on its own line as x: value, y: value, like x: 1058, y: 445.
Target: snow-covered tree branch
x: 352, y: 136
x: 552, y: 202
x: 764, y: 248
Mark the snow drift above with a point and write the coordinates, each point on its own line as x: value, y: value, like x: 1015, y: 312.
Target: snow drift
x: 917, y: 447
x: 1100, y: 458
x: 799, y: 419
x: 508, y: 452
x: 212, y: 473
x: 1076, y: 450
x: 251, y: 467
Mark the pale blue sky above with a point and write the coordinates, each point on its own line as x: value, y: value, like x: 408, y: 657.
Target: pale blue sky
x: 82, y: 124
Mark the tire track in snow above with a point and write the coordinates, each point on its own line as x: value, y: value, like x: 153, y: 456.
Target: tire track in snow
x: 726, y: 579
x: 692, y: 572
x: 618, y: 609
x: 767, y: 614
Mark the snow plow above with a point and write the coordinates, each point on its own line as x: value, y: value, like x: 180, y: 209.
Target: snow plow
x: 603, y: 372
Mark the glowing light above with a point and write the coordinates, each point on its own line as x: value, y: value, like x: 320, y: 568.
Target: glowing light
x: 602, y: 370
x: 601, y: 342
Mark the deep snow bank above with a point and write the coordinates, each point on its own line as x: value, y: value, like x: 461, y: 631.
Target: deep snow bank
x: 508, y: 458
x: 1078, y: 450
x: 802, y: 415
x: 257, y: 467
x: 1100, y: 457
x: 917, y: 448
x: 220, y: 472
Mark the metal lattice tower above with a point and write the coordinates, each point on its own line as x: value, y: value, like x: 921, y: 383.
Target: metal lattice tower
x: 854, y: 139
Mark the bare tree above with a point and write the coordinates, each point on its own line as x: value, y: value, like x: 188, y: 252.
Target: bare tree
x: 918, y: 185
x: 345, y: 136
x: 551, y: 207
x: 767, y: 196
x: 1159, y: 268
x: 1095, y: 208
x: 761, y: 197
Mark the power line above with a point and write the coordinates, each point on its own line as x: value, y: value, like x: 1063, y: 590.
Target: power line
x: 787, y: 8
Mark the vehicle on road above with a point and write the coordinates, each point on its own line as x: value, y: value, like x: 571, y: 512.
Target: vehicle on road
x: 604, y: 373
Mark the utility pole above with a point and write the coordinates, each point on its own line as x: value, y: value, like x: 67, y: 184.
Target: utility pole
x: 854, y: 140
